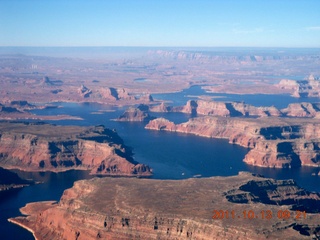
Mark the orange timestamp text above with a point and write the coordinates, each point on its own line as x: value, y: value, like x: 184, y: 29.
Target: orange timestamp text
x: 264, y: 214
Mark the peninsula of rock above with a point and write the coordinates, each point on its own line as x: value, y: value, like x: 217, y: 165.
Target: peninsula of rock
x: 236, y: 207
x: 45, y: 147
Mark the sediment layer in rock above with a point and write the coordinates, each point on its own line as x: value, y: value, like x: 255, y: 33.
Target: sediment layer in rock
x: 138, y: 114
x: 240, y: 109
x: 275, y: 142
x: 309, y: 87
x: 45, y: 147
x: 117, y: 208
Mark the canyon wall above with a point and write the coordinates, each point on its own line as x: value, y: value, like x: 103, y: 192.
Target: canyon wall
x: 44, y: 147
x: 224, y: 109
x: 240, y: 109
x: 118, y: 208
x: 218, y: 57
x: 111, y: 94
x: 274, y: 142
x: 302, y: 88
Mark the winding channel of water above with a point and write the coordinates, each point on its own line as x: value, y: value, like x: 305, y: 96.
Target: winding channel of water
x: 171, y: 155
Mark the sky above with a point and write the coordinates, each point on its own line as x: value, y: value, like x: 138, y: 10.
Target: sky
x: 174, y: 23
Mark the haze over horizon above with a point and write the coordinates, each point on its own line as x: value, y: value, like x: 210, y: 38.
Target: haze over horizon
x: 165, y: 23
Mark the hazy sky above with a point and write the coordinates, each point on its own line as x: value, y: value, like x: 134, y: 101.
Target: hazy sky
x: 214, y: 23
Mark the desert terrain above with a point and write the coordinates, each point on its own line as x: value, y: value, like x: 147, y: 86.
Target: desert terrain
x: 130, y: 80
x: 45, y: 147
x: 121, y: 208
x: 237, y: 207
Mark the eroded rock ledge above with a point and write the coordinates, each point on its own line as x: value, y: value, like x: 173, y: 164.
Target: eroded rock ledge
x: 309, y: 87
x: 118, y: 208
x: 224, y: 109
x: 45, y: 147
x: 138, y: 114
x: 274, y: 142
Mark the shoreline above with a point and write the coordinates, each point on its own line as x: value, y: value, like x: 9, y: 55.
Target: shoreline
x: 166, y: 202
x: 13, y: 221
x: 24, y: 211
x: 77, y: 169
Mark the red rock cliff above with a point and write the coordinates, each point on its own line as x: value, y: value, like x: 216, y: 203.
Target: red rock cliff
x: 117, y: 208
x: 43, y: 147
x: 275, y: 142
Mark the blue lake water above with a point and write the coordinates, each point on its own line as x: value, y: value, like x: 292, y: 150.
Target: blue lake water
x: 177, y: 155
x: 277, y: 100
x: 52, y: 187
x: 171, y: 156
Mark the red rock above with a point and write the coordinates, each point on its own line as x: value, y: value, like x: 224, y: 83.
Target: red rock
x: 223, y: 109
x: 58, y: 148
x: 84, y: 91
x: 135, y: 115
x: 302, y: 109
x: 118, y: 208
x: 302, y: 88
x: 274, y: 142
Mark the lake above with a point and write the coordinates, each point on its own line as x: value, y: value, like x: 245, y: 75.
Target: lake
x: 258, y: 100
x: 170, y: 155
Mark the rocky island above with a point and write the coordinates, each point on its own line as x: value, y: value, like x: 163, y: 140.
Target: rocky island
x: 138, y: 114
x: 45, y: 147
x: 238, y: 207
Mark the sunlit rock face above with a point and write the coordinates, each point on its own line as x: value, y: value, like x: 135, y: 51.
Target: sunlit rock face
x: 138, y: 114
x: 237, y: 207
x: 43, y: 147
x: 309, y: 87
x: 274, y: 142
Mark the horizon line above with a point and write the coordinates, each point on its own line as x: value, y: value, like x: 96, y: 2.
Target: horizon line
x: 111, y: 46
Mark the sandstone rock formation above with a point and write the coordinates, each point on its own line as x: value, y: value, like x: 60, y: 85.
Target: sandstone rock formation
x: 84, y: 91
x: 240, y: 109
x: 218, y: 57
x: 123, y: 94
x: 276, y: 192
x: 302, y: 88
x: 44, y: 147
x: 302, y: 109
x: 138, y: 114
x: 275, y: 142
x: 160, y: 108
x: 117, y: 208
x: 229, y: 71
x: 224, y: 109
x: 115, y: 94
x: 146, y: 97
